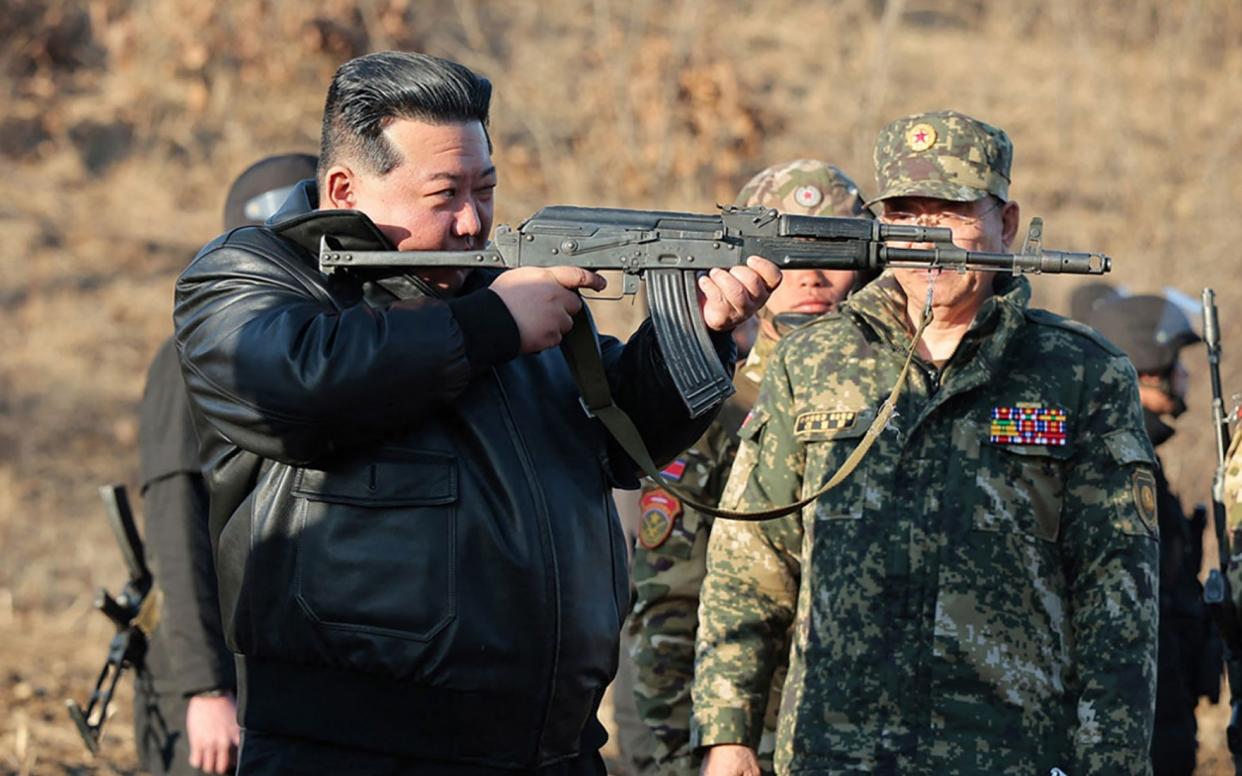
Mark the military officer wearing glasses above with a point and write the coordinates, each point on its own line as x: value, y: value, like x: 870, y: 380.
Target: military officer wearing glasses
x: 979, y: 595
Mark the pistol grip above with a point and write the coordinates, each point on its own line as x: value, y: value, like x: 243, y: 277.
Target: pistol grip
x: 701, y: 379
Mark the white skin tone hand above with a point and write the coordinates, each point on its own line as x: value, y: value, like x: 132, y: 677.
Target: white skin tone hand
x: 211, y: 727
x: 728, y: 298
x: 544, y: 301
x: 730, y: 760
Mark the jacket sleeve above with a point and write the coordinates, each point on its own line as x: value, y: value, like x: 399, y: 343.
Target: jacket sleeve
x: 750, y: 592
x: 642, y: 386
x: 178, y: 544
x: 175, y: 510
x: 276, y: 366
x: 1111, y: 542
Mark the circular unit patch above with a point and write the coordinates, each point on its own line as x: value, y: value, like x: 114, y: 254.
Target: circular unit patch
x: 921, y: 137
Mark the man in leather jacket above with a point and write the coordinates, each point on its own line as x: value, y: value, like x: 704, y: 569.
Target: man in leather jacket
x: 420, y: 564
x: 185, y: 713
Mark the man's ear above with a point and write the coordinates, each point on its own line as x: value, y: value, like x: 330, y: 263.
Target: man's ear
x: 339, y: 191
x: 1011, y: 216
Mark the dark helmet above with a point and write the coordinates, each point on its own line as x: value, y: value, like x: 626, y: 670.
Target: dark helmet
x: 1087, y: 298
x: 1150, y: 329
x: 263, y: 187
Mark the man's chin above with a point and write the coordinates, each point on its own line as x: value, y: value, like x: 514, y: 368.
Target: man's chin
x: 447, y: 280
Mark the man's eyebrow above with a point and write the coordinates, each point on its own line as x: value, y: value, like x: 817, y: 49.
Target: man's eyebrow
x: 454, y: 177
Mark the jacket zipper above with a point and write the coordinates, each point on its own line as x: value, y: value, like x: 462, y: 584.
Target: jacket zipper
x: 519, y: 445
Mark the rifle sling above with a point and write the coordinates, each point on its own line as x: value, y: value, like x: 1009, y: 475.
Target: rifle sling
x: 581, y: 349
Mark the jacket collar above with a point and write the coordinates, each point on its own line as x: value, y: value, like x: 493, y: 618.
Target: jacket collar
x: 300, y: 222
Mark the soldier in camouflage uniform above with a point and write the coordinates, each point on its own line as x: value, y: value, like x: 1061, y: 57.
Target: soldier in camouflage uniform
x: 671, y: 557
x: 1153, y: 331
x: 1232, y: 485
x: 979, y: 595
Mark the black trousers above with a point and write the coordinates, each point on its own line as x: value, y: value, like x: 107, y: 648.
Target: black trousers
x: 263, y: 755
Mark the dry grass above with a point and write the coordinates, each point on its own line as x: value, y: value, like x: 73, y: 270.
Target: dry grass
x: 124, y: 122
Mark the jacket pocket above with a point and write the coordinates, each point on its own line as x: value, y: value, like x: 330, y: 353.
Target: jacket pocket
x: 826, y: 453
x: 376, y: 544
x: 1020, y: 489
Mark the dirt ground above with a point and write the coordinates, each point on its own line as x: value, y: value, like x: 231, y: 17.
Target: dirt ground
x: 122, y: 122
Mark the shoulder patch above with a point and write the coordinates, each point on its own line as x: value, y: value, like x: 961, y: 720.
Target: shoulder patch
x: 1144, y: 484
x: 659, y: 511
x: 1045, y: 318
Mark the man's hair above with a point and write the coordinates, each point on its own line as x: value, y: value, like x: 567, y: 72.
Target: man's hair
x: 368, y: 93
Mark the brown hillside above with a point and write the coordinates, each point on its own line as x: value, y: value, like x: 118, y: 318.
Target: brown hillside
x: 122, y: 122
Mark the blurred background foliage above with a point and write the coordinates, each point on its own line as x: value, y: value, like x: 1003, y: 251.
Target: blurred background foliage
x: 124, y: 121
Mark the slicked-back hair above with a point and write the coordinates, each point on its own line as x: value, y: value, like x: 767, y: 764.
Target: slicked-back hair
x: 368, y: 93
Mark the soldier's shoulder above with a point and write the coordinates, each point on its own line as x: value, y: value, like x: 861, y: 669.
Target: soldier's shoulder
x: 828, y: 326
x: 1054, y: 330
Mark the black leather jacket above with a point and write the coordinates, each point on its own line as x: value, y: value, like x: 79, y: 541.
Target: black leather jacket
x: 417, y: 548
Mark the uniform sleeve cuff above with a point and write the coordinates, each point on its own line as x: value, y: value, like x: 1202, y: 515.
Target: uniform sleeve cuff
x: 490, y: 332
x: 723, y: 726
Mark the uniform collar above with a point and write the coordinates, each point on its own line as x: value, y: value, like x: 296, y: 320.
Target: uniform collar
x: 882, y: 307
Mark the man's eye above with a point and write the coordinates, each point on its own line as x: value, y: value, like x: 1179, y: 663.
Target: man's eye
x: 445, y: 194
x: 485, y: 192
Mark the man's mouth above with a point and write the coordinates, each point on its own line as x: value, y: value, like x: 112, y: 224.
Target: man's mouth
x: 813, y: 306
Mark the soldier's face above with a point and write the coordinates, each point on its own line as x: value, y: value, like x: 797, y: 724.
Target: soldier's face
x: 807, y: 291
x: 984, y: 225
x: 439, y: 198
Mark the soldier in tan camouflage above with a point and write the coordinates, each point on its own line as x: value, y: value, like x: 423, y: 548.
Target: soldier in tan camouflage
x: 1232, y: 486
x: 670, y: 560
x: 979, y: 596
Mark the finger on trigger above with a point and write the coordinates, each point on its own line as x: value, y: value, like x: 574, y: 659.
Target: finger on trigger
x: 598, y: 281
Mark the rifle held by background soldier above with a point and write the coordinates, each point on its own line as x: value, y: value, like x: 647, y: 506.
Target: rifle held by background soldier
x: 1216, y: 593
x: 134, y: 612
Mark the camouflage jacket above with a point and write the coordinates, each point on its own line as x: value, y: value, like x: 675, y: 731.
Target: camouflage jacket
x: 1232, y: 484
x: 1233, y: 479
x: 972, y: 599
x: 667, y: 569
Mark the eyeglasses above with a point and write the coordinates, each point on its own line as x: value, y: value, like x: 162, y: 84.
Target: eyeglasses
x: 947, y: 218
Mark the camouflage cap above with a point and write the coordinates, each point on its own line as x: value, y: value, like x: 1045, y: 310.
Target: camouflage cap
x: 804, y: 187
x: 944, y: 155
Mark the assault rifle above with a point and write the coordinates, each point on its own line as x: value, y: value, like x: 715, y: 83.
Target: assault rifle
x: 669, y: 250
x: 1216, y: 593
x: 134, y: 612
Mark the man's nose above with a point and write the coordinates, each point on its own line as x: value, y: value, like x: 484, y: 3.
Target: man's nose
x: 468, y: 223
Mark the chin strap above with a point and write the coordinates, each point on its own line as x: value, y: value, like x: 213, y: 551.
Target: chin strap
x: 581, y: 349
